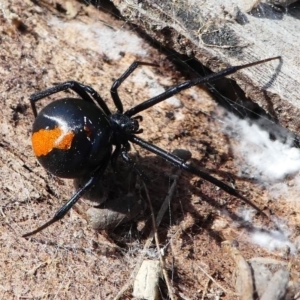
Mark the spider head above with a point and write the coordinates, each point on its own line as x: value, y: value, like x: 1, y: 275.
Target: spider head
x: 123, y: 127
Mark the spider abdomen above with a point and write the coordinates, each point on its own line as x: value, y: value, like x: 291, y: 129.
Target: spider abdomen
x: 70, y: 137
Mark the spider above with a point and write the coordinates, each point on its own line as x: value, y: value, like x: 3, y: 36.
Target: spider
x: 78, y: 137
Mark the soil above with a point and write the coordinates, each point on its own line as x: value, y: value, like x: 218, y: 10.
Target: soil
x: 44, y: 43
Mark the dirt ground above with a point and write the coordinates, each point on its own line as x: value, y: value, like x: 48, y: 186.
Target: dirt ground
x: 205, y: 240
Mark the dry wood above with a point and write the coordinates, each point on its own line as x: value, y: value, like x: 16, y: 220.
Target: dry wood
x: 231, y: 32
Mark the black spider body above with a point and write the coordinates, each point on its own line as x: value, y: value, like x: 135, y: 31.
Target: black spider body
x: 70, y: 137
x: 74, y: 137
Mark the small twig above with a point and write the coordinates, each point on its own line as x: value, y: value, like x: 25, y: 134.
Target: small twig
x: 161, y: 258
x: 166, y: 203
x: 213, y: 280
x: 205, y: 289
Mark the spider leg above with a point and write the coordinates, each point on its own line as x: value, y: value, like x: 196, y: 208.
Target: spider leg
x: 175, y: 160
x: 118, y: 82
x: 132, y: 164
x: 187, y: 84
x: 67, y: 206
x: 82, y: 90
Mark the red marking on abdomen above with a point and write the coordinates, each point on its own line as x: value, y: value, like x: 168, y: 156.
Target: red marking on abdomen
x: 44, y: 141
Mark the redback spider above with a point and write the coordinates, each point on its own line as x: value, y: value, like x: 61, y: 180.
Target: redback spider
x: 74, y: 137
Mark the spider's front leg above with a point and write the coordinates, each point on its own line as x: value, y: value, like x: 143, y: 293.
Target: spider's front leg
x: 120, y: 80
